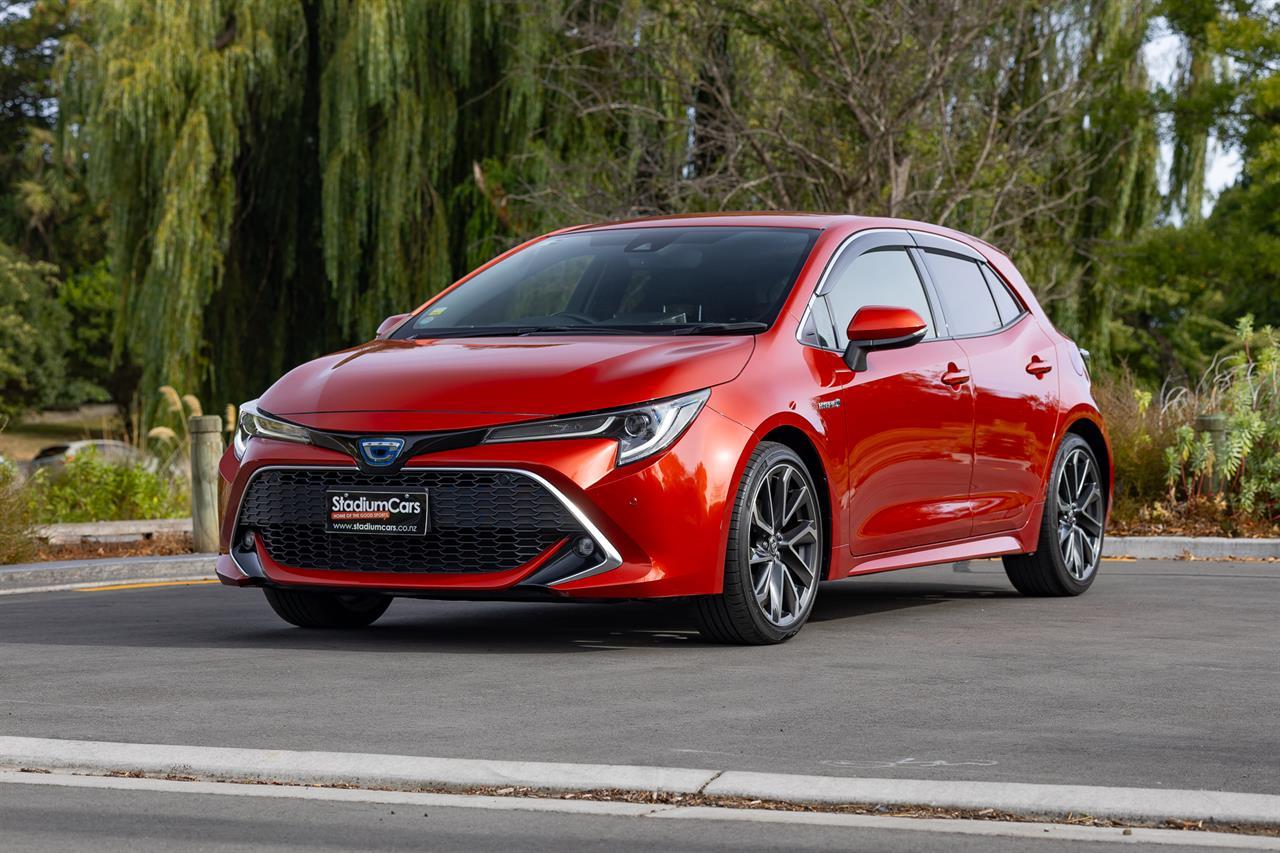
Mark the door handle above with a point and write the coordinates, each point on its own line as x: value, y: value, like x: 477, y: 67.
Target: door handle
x: 954, y: 375
x: 1038, y: 366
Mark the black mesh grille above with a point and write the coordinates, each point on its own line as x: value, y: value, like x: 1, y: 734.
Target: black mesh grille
x: 480, y: 521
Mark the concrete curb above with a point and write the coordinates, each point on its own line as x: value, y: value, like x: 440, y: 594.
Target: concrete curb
x: 71, y: 532
x: 400, y: 772
x: 1199, y: 547
x: 1022, y: 798
x: 69, y: 574
x: 649, y: 811
x: 338, y: 768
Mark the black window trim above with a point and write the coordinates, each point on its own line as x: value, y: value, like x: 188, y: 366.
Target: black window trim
x: 1013, y: 294
x: 865, y: 241
x: 916, y: 244
x: 947, y: 246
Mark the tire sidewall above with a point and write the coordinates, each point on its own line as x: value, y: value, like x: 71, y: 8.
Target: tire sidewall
x: 1049, y: 529
x: 767, y: 457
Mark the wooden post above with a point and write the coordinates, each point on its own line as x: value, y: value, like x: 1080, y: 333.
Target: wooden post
x: 1216, y: 427
x: 206, y: 450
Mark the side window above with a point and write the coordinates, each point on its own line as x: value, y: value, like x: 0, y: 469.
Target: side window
x: 877, y: 277
x: 817, y: 330
x: 965, y: 298
x: 1006, y: 303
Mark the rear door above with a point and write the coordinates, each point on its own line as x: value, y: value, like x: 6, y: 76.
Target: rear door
x: 1014, y: 381
x: 909, y: 416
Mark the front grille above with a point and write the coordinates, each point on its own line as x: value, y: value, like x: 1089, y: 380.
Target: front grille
x: 480, y: 521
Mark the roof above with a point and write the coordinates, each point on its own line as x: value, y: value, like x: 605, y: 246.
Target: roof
x: 782, y: 219
x: 786, y: 219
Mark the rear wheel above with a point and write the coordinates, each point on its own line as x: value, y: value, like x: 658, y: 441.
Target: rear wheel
x: 774, y: 559
x: 326, y: 610
x: 1071, y: 530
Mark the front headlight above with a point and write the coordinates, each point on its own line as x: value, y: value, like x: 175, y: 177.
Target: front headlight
x: 252, y: 423
x: 640, y: 431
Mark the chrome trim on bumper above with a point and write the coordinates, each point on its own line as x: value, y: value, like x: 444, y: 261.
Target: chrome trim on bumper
x: 612, y: 559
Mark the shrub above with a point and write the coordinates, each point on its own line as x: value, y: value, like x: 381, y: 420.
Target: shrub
x: 169, y: 439
x: 88, y: 489
x: 1241, y: 470
x: 1140, y: 426
x: 17, y: 540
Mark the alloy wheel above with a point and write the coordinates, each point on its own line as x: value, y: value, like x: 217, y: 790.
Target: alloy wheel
x: 1080, y: 515
x: 785, y: 553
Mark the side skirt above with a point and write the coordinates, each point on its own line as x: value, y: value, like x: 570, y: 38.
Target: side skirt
x: 1021, y: 541
x: 990, y: 546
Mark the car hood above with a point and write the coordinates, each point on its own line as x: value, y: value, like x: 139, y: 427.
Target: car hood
x: 461, y: 383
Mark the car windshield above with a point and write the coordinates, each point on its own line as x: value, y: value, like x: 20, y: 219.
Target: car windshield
x: 658, y: 280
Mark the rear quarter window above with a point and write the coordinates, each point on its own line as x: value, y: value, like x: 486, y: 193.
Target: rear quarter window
x: 1006, y: 303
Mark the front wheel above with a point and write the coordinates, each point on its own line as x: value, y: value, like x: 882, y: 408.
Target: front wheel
x: 775, y: 557
x: 326, y: 610
x: 1071, y: 531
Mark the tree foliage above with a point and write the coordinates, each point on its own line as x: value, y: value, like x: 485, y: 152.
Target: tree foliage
x: 32, y: 329
x: 45, y: 211
x: 275, y: 176
x: 1182, y: 286
x: 283, y: 174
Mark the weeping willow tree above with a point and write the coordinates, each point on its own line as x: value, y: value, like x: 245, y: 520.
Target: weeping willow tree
x: 1194, y: 105
x: 1119, y: 139
x: 281, y: 174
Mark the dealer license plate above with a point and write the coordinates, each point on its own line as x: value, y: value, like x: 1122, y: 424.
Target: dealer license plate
x: 377, y: 511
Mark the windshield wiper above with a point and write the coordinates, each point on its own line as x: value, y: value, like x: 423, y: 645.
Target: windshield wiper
x: 578, y: 330
x: 650, y: 329
x: 464, y: 332
x: 515, y: 331
x: 720, y: 328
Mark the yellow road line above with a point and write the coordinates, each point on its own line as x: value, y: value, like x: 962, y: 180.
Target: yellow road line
x: 143, y: 585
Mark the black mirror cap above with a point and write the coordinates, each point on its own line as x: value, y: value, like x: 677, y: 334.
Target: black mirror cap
x: 855, y: 353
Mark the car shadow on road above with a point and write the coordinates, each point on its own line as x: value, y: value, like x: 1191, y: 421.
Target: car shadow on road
x: 843, y: 600
x: 213, y: 617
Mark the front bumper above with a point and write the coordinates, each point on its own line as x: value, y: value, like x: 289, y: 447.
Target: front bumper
x: 658, y: 526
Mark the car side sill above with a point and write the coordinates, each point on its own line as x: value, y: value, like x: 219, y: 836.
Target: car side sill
x: 988, y: 546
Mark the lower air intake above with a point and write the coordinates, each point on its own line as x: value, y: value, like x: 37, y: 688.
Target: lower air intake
x: 480, y: 521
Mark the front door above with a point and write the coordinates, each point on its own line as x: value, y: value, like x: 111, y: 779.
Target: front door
x: 908, y: 416
x: 910, y: 429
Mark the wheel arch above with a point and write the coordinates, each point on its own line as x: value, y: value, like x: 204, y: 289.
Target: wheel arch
x: 1094, y: 436
x: 795, y: 438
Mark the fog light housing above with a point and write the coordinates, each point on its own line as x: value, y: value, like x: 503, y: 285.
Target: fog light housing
x: 584, y: 546
x: 247, y: 541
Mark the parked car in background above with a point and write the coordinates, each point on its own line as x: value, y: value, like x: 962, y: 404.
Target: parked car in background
x: 109, y: 451
x: 723, y: 408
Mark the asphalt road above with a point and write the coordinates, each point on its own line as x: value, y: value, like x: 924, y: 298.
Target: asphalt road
x: 1165, y: 674
x: 71, y: 819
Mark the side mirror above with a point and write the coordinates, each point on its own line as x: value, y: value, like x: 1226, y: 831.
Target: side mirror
x: 881, y: 327
x: 385, y: 327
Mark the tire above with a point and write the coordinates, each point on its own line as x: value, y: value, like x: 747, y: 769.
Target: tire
x: 759, y: 549
x: 1059, y: 568
x: 326, y: 610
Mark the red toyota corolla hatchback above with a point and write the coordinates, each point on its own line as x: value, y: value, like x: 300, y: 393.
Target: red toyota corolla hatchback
x: 726, y: 409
